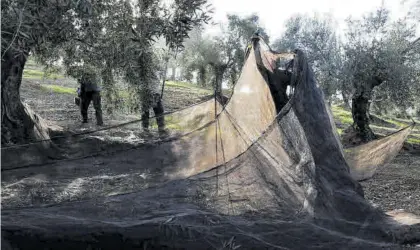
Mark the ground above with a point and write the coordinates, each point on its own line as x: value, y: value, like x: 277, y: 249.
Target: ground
x: 396, y: 186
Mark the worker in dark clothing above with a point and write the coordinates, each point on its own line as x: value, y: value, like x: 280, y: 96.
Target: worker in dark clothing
x: 90, y: 92
x: 154, y: 101
x: 279, y: 79
x: 152, y: 97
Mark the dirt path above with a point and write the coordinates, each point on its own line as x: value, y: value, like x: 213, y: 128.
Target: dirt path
x: 88, y: 178
x: 396, y: 186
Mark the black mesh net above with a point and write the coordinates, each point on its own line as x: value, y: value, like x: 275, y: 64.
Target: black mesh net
x: 251, y: 174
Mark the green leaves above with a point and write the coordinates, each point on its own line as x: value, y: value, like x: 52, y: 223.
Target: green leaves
x: 225, y: 51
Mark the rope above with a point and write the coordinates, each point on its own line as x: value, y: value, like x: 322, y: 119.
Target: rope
x: 224, y: 163
x: 101, y: 129
x: 217, y: 159
x: 101, y: 153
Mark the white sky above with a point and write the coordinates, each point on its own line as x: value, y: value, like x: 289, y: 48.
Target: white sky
x: 274, y: 13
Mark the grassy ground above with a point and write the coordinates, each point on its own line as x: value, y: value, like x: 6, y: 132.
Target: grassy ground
x: 343, y: 119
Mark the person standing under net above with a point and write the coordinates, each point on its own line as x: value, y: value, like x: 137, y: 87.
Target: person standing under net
x: 152, y: 98
x: 90, y: 92
x: 153, y: 101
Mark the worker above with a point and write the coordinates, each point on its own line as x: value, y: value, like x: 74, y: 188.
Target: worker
x: 90, y: 92
x: 279, y: 80
x: 152, y: 99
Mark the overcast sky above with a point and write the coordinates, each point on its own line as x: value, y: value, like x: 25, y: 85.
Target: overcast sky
x: 274, y: 13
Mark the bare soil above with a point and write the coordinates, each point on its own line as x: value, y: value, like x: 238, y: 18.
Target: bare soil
x: 396, y: 186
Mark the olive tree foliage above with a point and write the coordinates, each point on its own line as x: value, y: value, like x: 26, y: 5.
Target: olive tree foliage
x: 121, y: 42
x: 154, y: 20
x: 317, y: 37
x: 239, y: 31
x: 110, y: 35
x: 414, y: 8
x: 194, y: 58
x: 382, y: 56
x: 100, y: 45
x: 222, y: 56
x: 30, y: 26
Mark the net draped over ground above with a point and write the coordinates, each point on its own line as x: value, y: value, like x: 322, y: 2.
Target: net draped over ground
x: 241, y: 174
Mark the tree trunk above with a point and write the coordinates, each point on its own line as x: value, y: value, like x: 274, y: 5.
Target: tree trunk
x: 181, y: 73
x: 219, y: 71
x: 345, y: 99
x: 112, y: 100
x: 173, y: 75
x: 360, y: 107
x: 202, y: 76
x: 18, y: 123
x: 360, y: 112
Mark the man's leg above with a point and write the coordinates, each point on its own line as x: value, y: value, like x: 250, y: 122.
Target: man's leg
x: 86, y: 98
x: 96, y: 97
x: 158, y: 110
x: 145, y: 119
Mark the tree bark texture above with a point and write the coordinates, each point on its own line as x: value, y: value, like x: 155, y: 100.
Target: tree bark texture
x: 219, y: 71
x: 112, y: 99
x: 173, y: 75
x: 18, y: 123
x: 345, y: 99
x: 360, y: 108
x: 360, y: 112
x: 202, y: 76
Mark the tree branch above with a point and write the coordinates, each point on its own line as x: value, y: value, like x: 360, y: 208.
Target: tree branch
x: 411, y: 46
x: 17, y: 30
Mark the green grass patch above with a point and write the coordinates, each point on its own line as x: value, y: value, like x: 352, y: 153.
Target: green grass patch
x: 58, y: 89
x: 181, y: 84
x: 406, y: 121
x: 384, y: 128
x: 32, y: 74
x: 170, y: 123
x: 342, y: 115
x: 395, y: 122
x: 413, y: 140
x: 124, y: 94
x: 340, y: 131
x: 39, y: 74
x: 187, y: 86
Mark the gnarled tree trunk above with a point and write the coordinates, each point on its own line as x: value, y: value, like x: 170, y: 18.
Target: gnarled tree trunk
x: 360, y: 112
x: 360, y: 108
x: 18, y: 123
x: 345, y: 99
x: 219, y: 71
x: 173, y: 75
x: 202, y: 76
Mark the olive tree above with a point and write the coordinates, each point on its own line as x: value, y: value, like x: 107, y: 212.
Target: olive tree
x: 381, y: 54
x: 31, y: 27
x: 317, y: 37
x: 109, y: 34
x: 221, y: 56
